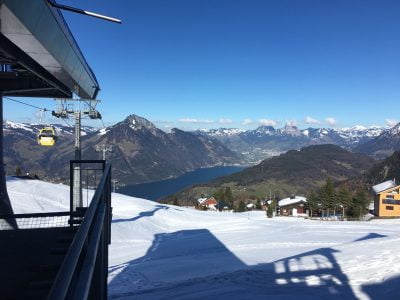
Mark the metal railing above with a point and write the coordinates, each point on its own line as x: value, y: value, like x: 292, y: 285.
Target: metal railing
x: 36, y: 220
x: 85, y: 176
x: 83, y: 273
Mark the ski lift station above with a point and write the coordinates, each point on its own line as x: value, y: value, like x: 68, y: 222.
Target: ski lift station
x: 68, y: 250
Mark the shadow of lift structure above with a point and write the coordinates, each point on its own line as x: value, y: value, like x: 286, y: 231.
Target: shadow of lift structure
x: 218, y: 273
x: 61, y: 255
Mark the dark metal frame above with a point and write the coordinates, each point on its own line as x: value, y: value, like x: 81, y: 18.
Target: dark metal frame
x: 75, y: 216
x: 83, y: 273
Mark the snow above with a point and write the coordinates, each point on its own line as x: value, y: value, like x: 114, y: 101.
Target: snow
x: 289, y: 201
x: 383, y: 186
x: 15, y: 125
x: 222, y: 131
x: 103, y: 131
x: 169, y: 252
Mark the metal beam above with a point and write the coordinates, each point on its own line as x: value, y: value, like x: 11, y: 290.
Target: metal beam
x: 83, y: 12
x: 13, y: 52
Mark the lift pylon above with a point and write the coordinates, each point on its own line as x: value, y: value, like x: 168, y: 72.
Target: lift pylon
x: 76, y: 108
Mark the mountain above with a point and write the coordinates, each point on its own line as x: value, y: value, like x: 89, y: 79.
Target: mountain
x: 385, y: 170
x: 21, y: 149
x: 141, y: 151
x: 266, y: 141
x: 383, y: 145
x: 296, y: 171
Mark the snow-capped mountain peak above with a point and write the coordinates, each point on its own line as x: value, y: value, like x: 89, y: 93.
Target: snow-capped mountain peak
x: 290, y: 129
x: 136, y: 122
x: 395, y: 129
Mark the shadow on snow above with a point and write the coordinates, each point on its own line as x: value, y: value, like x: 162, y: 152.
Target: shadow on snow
x: 200, y: 267
x: 142, y: 214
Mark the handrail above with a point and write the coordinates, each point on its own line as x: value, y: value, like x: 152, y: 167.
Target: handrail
x: 82, y: 289
x: 36, y: 215
x: 64, y: 277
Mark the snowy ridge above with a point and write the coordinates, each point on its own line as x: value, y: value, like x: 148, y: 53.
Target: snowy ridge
x: 351, y: 134
x: 33, y: 128
x: 168, y: 252
x: 222, y: 131
x: 13, y: 125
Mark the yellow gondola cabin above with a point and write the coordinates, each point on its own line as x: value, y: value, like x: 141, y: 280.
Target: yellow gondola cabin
x: 47, y: 137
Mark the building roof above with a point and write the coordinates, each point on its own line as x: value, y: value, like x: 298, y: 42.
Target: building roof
x: 44, y: 57
x: 383, y: 186
x: 290, y: 200
x: 206, y: 200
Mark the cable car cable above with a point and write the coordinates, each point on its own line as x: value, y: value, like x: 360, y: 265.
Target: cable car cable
x: 27, y: 104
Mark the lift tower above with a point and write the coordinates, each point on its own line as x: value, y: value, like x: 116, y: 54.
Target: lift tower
x: 67, y: 108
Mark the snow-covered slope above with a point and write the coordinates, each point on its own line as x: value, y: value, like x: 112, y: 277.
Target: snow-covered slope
x: 168, y: 252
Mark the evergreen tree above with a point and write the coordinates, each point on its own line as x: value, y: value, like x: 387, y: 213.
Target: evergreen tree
x: 328, y: 196
x: 228, y: 196
x: 312, y: 202
x: 360, y: 203
x: 344, y: 199
x: 275, y: 206
x: 18, y: 171
x: 219, y: 196
x: 258, y: 204
x: 241, y: 206
x: 270, y: 211
x: 176, y: 202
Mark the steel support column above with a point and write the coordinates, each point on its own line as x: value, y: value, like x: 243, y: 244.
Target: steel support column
x: 77, y: 169
x: 5, y: 205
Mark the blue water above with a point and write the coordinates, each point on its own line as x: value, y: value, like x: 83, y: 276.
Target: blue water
x: 158, y: 189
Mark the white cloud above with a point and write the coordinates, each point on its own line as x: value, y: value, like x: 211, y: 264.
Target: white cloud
x: 331, y: 121
x: 225, y: 121
x: 391, y: 122
x: 310, y: 120
x: 194, y: 120
x: 267, y: 122
x: 247, y: 122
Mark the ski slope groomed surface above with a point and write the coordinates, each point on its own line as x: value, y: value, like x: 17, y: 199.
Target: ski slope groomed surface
x: 168, y: 252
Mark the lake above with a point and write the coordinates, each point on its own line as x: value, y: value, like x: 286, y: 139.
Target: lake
x: 157, y: 189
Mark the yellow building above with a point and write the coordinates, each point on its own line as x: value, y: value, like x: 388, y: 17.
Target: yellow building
x: 387, y: 199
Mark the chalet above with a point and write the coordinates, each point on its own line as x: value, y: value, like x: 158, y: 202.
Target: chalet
x: 387, y: 199
x: 208, y: 202
x: 293, y: 206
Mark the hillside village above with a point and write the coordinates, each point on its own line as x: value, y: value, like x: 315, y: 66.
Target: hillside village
x: 374, y: 193
x: 327, y: 203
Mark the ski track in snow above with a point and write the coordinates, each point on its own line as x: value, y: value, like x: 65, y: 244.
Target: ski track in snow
x: 167, y: 252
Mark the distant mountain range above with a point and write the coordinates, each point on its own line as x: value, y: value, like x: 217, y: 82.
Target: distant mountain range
x: 383, y: 145
x: 266, y: 141
x: 144, y: 153
x: 141, y: 152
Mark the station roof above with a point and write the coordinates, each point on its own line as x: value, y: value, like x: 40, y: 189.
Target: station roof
x: 40, y: 56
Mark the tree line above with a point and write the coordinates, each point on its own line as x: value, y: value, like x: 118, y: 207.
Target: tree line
x: 328, y: 201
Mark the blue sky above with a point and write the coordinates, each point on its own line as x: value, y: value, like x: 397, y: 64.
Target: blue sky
x: 239, y: 63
